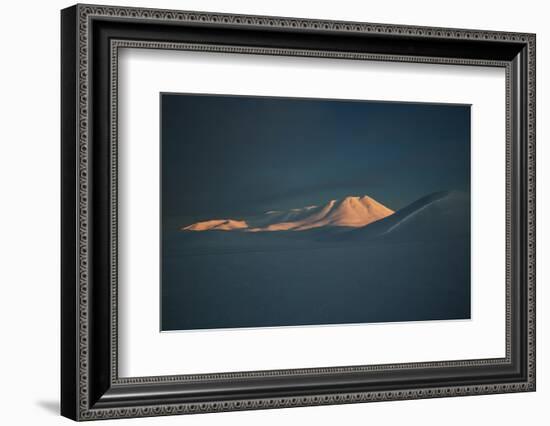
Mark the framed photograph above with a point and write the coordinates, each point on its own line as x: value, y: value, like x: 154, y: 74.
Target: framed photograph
x: 263, y: 212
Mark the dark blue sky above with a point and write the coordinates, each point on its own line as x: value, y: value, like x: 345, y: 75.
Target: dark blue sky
x: 229, y: 156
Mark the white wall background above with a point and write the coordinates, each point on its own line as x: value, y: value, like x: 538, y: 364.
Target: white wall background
x: 29, y: 213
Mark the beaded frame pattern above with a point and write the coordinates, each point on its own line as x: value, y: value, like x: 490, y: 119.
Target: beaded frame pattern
x: 86, y: 12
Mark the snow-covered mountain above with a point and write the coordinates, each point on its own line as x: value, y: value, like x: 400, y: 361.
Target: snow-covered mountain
x: 440, y: 215
x: 350, y: 212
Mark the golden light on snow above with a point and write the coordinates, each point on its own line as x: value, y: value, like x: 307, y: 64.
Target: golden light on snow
x: 352, y: 212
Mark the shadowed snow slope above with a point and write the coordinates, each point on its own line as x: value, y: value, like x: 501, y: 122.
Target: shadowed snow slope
x: 351, y: 212
x: 412, y: 265
x: 439, y: 215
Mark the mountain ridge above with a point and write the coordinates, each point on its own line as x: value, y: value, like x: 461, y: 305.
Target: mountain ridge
x: 348, y: 212
x: 443, y: 214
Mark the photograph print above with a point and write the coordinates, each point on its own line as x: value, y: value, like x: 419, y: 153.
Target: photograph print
x: 306, y: 212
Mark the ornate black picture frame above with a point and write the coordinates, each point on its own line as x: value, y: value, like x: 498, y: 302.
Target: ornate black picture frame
x: 91, y: 386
